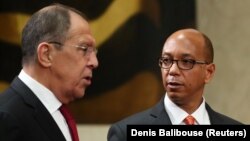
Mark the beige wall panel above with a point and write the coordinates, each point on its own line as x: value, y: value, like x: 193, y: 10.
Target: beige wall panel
x: 227, y: 23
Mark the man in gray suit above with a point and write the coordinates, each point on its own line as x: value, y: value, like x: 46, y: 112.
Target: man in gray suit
x: 187, y: 66
x: 59, y: 56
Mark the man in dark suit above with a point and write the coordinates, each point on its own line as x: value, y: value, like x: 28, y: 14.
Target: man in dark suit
x: 187, y: 65
x: 59, y: 56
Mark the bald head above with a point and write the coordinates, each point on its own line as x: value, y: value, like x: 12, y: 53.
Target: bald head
x: 195, y: 38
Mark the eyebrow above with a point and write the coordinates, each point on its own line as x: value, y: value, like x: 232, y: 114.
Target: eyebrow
x: 165, y: 53
x: 184, y: 55
x: 87, y: 42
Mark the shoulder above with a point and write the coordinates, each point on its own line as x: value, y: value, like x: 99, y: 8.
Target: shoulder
x: 143, y: 117
x: 153, y: 115
x: 9, y: 99
x: 10, y: 111
x: 118, y: 130
x: 10, y: 96
x: 219, y: 118
x: 12, y: 104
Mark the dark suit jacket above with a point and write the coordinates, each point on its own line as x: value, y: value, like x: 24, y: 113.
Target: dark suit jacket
x: 157, y: 115
x: 24, y: 118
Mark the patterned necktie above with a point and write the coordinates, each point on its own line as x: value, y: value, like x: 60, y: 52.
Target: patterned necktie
x: 70, y: 121
x: 189, y: 120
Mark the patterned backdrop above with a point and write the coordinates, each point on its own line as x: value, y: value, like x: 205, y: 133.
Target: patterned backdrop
x: 129, y: 34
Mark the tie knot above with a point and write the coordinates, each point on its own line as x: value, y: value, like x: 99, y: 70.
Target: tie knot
x: 189, y: 120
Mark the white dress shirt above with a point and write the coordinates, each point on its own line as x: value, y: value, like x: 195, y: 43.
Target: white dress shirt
x: 48, y: 99
x: 177, y: 115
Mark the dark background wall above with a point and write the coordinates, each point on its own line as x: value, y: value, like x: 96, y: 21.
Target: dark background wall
x: 128, y: 79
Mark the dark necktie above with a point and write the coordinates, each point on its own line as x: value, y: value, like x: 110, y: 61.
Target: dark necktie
x: 189, y: 120
x: 70, y: 121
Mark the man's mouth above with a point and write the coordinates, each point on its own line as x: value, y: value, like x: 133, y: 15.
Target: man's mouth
x: 174, y: 85
x: 88, y: 80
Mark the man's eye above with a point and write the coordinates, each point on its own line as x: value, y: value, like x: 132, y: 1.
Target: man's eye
x: 166, y: 60
x: 83, y: 48
x: 187, y: 61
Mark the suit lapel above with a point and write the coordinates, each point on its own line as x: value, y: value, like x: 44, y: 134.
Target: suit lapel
x: 159, y: 114
x: 47, y: 123
x: 40, y: 113
x: 213, y: 116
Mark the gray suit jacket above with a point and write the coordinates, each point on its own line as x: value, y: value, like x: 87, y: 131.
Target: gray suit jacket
x: 24, y: 118
x: 157, y: 115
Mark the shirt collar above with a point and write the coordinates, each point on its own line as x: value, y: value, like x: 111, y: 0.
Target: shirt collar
x: 177, y: 115
x: 47, y: 98
x: 201, y: 114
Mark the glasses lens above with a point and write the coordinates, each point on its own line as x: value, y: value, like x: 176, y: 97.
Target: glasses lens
x: 165, y: 63
x: 186, y: 64
x: 91, y: 49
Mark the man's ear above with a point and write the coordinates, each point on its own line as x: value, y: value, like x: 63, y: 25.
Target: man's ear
x: 44, y: 51
x: 210, y: 70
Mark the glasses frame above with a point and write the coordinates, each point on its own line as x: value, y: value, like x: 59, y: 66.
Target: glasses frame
x: 87, y: 49
x: 193, y: 62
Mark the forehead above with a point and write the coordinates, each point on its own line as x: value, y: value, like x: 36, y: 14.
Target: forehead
x: 182, y: 45
x: 79, y: 30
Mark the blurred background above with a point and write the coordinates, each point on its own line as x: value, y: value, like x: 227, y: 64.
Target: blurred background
x: 130, y: 35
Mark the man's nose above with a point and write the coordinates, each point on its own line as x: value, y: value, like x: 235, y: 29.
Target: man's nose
x: 93, y: 61
x: 174, y: 68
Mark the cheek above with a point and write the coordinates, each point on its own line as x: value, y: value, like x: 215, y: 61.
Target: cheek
x: 76, y: 65
x: 194, y: 79
x: 163, y: 74
x: 65, y: 62
x: 164, y: 77
x: 70, y: 71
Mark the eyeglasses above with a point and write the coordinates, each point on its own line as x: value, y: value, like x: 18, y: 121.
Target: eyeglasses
x: 86, y: 49
x: 184, y: 64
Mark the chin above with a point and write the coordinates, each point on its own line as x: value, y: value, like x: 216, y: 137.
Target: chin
x: 174, y: 95
x: 79, y: 93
